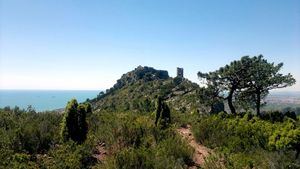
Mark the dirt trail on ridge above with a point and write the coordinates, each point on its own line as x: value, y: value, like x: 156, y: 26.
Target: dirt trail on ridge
x: 201, y: 152
x: 100, y: 152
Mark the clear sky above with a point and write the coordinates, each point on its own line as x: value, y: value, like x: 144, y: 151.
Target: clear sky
x: 73, y: 44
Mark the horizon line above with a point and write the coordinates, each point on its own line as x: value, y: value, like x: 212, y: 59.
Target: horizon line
x: 56, y: 89
x: 30, y: 89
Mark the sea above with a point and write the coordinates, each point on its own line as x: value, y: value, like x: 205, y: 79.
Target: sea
x: 43, y: 100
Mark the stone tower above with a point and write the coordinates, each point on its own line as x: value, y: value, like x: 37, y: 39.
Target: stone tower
x: 179, y: 72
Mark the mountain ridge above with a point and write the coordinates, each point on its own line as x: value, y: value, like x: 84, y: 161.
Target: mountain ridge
x: 140, y: 88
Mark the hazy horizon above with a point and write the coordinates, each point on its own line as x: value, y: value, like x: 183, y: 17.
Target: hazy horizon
x: 79, y: 45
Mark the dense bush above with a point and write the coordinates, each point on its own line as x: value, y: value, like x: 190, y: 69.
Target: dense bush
x: 249, y: 141
x: 170, y: 153
x: 278, y: 116
x: 31, y: 140
x: 24, y: 134
x: 135, y: 142
x: 68, y: 155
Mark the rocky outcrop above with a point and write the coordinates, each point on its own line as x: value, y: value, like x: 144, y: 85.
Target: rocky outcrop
x: 145, y: 73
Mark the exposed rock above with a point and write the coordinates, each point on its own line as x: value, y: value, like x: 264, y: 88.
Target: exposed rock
x: 145, y: 73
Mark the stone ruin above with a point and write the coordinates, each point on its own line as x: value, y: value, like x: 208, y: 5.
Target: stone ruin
x: 179, y: 72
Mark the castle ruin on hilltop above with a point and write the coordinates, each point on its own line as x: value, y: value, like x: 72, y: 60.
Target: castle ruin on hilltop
x: 179, y: 72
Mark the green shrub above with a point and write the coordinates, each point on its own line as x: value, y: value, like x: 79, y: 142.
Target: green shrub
x: 26, y: 134
x: 135, y: 142
x: 170, y: 153
x: 248, y: 141
x: 69, y: 155
x: 74, y: 125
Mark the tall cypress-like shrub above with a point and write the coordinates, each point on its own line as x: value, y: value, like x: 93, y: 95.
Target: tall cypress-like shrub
x: 74, y: 125
x: 163, y: 114
x: 82, y: 124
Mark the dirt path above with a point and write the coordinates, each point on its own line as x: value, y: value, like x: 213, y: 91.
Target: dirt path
x: 100, y: 153
x: 201, y: 152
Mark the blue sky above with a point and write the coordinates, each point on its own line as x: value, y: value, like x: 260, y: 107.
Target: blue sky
x: 74, y: 44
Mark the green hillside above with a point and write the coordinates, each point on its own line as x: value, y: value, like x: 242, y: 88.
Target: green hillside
x: 149, y: 120
x: 138, y: 90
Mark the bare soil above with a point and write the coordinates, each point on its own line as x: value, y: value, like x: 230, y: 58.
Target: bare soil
x: 201, y: 152
x: 100, y: 152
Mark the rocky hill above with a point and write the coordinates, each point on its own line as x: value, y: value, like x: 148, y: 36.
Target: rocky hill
x: 138, y: 90
x: 141, y: 73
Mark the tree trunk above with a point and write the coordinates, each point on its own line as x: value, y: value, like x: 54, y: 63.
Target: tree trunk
x: 258, y: 93
x: 230, y: 104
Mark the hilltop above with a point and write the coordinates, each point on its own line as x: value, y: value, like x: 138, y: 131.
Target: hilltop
x: 138, y: 90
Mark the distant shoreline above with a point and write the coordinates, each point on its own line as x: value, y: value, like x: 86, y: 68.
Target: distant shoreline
x: 43, y: 100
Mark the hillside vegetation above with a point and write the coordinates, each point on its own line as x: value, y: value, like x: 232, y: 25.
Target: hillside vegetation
x: 138, y: 90
x: 149, y: 120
